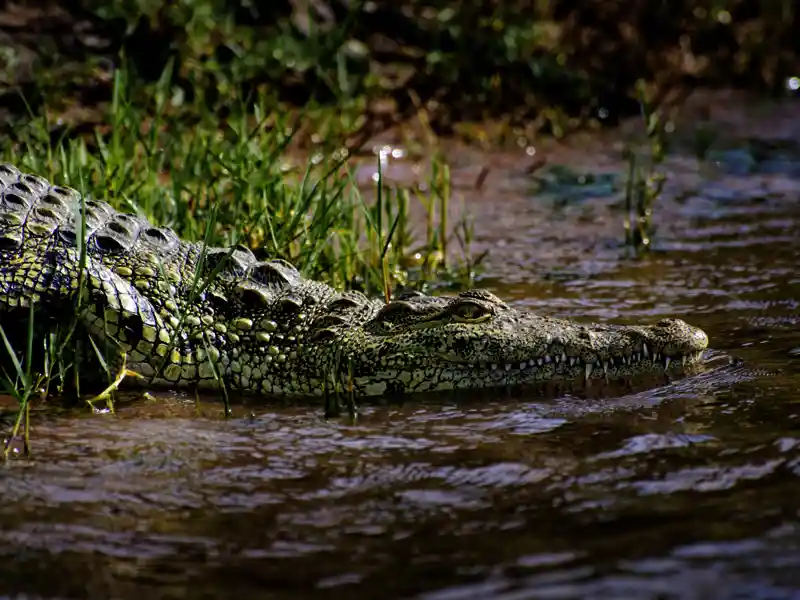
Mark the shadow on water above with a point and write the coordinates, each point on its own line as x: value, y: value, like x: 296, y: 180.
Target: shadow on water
x: 687, y: 490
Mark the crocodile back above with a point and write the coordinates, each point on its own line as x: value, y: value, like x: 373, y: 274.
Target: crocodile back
x: 41, y: 228
x: 153, y: 296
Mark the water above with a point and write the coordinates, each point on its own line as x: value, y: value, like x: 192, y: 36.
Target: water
x: 689, y: 490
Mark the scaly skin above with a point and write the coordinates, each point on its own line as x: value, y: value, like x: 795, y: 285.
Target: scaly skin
x: 262, y: 328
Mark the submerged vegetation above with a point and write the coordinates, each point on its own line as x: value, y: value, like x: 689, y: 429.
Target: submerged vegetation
x: 645, y: 181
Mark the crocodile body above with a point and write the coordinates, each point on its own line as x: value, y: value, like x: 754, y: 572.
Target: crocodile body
x: 188, y: 316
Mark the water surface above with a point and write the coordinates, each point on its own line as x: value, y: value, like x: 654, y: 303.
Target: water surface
x: 688, y: 490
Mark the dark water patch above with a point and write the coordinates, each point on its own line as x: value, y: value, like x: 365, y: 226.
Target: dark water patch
x: 561, y: 185
x: 755, y: 156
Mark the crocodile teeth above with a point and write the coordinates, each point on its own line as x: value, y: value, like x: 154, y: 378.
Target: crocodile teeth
x: 563, y: 356
x: 494, y: 367
x: 684, y: 360
x: 572, y: 360
x: 667, y: 360
x: 522, y: 365
x: 508, y: 366
x: 645, y: 351
x: 547, y: 359
x: 605, y: 367
x: 589, y: 368
x: 540, y: 361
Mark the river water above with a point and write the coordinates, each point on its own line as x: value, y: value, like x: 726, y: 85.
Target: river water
x: 688, y: 490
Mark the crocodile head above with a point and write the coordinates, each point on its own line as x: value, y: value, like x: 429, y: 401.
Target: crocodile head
x: 474, y: 340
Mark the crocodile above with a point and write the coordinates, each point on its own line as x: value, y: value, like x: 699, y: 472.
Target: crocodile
x: 185, y: 315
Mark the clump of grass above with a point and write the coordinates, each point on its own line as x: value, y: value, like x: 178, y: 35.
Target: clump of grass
x: 645, y: 179
x: 238, y: 182
x: 151, y: 161
x: 21, y: 385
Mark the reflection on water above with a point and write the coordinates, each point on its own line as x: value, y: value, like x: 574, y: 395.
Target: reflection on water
x: 688, y: 490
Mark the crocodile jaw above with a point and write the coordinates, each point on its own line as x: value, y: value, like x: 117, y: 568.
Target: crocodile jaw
x: 520, y: 349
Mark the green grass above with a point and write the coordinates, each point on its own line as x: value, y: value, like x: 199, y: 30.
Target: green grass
x: 236, y: 182
x: 237, y: 175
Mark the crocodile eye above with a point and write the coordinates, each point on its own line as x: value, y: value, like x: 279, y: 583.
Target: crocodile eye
x: 395, y: 312
x: 470, y: 312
